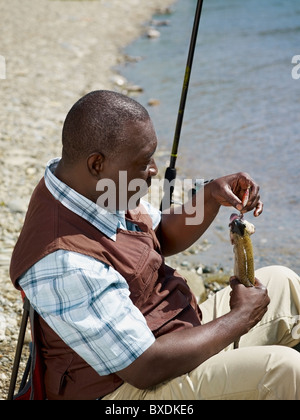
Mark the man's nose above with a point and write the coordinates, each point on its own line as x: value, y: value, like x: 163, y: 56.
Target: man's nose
x: 153, y: 170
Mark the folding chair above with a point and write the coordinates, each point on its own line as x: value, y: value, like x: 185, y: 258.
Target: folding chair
x: 32, y: 384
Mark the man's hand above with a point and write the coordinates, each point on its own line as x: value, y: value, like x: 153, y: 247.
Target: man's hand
x: 176, y: 236
x: 229, y: 191
x: 181, y: 351
x: 251, y: 302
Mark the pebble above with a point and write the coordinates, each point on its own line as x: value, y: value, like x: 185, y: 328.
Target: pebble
x: 31, y: 171
x: 46, y: 74
x: 184, y: 263
x: 68, y: 51
x: 153, y: 102
x: 4, y: 260
x: 17, y: 205
x: 119, y: 80
x: 125, y: 86
x: 200, y: 270
x: 3, y: 377
x: 153, y: 33
x: 158, y: 22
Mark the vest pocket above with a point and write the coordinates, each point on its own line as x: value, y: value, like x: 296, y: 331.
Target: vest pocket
x: 168, y: 311
x: 142, y: 281
x: 58, y: 376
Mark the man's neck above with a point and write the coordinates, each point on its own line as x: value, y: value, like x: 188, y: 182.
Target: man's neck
x: 74, y: 177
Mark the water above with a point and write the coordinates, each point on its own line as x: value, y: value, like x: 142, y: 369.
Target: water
x: 242, y: 111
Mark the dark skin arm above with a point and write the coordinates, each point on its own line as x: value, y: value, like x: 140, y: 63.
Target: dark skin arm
x: 176, y: 235
x: 180, y: 352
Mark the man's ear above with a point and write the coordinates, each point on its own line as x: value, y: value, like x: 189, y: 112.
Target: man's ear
x: 95, y: 164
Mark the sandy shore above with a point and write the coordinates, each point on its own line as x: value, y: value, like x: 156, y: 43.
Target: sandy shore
x: 55, y: 52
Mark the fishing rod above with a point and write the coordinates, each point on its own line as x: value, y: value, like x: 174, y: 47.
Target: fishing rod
x: 170, y: 173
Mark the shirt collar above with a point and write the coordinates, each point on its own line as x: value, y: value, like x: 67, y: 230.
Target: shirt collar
x: 103, y: 220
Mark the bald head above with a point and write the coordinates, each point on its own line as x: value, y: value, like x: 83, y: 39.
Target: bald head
x: 97, y: 123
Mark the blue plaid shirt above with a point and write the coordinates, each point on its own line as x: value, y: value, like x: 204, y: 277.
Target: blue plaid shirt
x: 85, y: 301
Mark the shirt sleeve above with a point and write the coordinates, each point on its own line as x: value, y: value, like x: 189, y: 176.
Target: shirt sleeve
x: 87, y: 304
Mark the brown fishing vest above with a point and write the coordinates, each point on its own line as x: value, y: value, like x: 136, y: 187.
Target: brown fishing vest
x: 159, y: 292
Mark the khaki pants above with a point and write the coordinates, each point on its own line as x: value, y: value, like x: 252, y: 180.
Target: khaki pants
x: 262, y: 368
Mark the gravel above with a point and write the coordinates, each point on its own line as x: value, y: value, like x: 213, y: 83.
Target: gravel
x: 54, y: 52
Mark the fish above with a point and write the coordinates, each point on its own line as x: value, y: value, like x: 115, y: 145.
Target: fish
x: 240, y: 236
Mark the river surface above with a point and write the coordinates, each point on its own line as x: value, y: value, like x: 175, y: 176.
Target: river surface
x: 242, y: 111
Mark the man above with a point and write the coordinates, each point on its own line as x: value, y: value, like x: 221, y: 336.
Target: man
x: 116, y: 322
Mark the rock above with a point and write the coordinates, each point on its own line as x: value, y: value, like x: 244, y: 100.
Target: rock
x: 3, y: 377
x: 156, y: 22
x: 119, y: 80
x: 154, y: 102
x: 31, y: 171
x: 130, y: 59
x: 194, y: 281
x: 153, y: 33
x: 134, y: 88
x: 165, y: 10
x: 199, y: 270
x: 17, y: 205
x: 68, y: 51
x: 4, y: 260
x: 184, y: 263
x: 206, y: 269
x: 2, y: 327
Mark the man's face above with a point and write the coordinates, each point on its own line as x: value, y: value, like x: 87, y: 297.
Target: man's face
x: 132, y: 170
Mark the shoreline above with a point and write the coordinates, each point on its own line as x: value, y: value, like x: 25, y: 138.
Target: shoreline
x: 55, y: 52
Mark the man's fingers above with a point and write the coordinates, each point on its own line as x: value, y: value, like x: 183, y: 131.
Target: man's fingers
x: 234, y: 281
